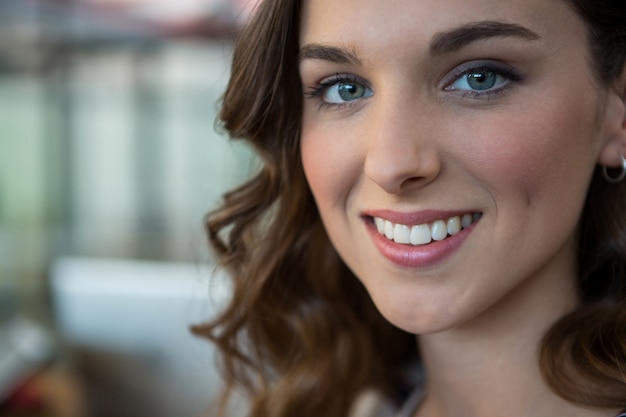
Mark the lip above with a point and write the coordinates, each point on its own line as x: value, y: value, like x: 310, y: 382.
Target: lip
x: 422, y: 256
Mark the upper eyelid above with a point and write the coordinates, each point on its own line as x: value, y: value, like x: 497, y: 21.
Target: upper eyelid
x: 466, y: 67
x: 339, y: 77
x: 513, y: 76
x: 456, y: 70
x: 315, y: 89
x: 316, y: 70
x: 330, y: 80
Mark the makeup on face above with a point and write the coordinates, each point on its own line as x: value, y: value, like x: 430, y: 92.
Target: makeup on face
x: 449, y: 156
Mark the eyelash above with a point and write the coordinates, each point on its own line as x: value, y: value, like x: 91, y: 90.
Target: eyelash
x: 513, y: 79
x: 318, y: 90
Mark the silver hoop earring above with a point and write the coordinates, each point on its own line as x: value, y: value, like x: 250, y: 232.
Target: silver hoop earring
x: 620, y: 177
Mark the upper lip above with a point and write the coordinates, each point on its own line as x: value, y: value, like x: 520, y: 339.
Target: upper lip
x: 416, y: 217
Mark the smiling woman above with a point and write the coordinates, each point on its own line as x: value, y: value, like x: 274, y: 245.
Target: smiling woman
x: 439, y: 210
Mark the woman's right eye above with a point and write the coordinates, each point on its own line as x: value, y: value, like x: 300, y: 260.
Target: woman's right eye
x: 343, y: 92
x: 340, y: 90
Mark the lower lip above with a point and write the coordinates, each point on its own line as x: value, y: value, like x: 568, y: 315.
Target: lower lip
x: 421, y: 256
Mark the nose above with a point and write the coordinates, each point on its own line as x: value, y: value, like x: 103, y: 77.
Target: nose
x: 402, y: 154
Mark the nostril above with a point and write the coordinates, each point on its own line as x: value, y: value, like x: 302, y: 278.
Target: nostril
x: 413, y: 180
x: 395, y: 169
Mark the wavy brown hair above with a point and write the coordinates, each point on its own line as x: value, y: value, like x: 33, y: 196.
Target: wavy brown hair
x: 583, y: 356
x: 301, y: 336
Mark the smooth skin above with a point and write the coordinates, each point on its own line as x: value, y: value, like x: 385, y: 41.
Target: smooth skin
x: 409, y: 109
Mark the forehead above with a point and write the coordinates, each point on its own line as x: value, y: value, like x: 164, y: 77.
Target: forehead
x: 397, y: 22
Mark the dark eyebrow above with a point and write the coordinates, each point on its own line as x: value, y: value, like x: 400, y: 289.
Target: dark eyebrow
x: 456, y: 39
x: 328, y: 53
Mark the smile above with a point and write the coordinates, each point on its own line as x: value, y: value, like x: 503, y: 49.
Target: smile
x: 422, y: 234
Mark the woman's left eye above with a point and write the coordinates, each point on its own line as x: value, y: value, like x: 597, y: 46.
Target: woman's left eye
x: 482, y: 80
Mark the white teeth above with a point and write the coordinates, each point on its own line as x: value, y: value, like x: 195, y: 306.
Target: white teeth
x: 388, y: 229
x: 422, y: 234
x: 454, y: 225
x: 380, y: 225
x: 402, y: 234
x: 466, y: 220
x: 439, y: 230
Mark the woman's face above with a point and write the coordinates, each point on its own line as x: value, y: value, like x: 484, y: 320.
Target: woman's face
x: 449, y: 145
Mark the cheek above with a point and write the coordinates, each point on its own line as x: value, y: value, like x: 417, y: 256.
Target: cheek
x: 549, y: 149
x: 317, y: 169
x: 331, y: 165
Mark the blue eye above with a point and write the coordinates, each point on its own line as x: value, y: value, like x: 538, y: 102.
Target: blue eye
x: 345, y: 91
x: 340, y: 90
x: 482, y: 80
x: 479, y: 79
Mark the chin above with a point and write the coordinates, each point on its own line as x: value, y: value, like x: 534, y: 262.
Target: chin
x: 418, y: 320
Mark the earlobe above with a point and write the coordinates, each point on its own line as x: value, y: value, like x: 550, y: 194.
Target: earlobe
x: 621, y: 173
x: 614, y: 147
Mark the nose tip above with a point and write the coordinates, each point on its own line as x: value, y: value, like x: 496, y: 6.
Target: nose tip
x: 401, y: 165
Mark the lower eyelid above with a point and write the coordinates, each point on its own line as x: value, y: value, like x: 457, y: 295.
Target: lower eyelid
x: 486, y: 95
x: 513, y: 80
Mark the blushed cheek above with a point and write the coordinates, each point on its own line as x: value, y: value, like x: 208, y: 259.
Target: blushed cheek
x: 544, y: 159
x: 311, y: 144
x: 331, y: 164
x: 311, y: 163
x: 330, y: 175
x: 321, y: 167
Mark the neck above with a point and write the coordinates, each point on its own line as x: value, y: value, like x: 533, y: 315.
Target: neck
x: 489, y: 366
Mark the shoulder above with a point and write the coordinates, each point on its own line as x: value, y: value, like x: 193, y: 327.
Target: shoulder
x: 372, y: 403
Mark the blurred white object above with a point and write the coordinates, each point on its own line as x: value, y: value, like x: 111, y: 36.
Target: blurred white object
x: 128, y: 323
x: 24, y: 348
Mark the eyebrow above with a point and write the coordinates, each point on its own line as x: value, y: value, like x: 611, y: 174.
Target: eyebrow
x: 328, y: 53
x: 442, y: 43
x: 460, y: 37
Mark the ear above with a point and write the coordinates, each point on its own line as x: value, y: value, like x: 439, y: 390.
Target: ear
x: 614, y: 124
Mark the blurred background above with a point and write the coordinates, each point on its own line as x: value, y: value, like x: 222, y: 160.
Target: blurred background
x: 109, y: 158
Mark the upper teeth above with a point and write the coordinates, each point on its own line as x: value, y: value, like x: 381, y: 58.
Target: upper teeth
x: 422, y: 234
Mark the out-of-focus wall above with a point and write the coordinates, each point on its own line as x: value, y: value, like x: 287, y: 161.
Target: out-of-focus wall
x: 109, y: 159
x: 108, y: 143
